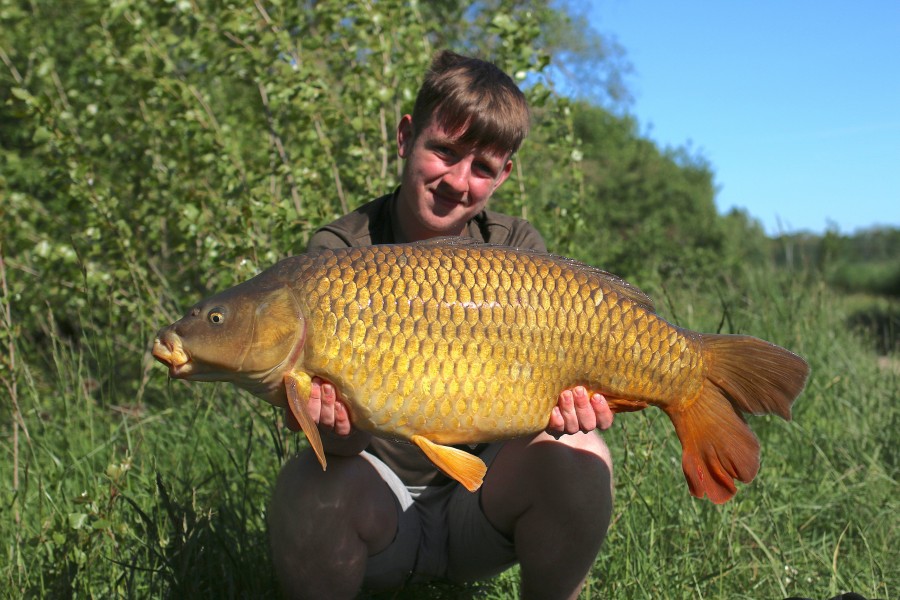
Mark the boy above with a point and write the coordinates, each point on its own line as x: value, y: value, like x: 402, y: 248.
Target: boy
x: 382, y: 516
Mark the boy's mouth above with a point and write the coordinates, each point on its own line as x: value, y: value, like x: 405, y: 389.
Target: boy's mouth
x: 450, y: 200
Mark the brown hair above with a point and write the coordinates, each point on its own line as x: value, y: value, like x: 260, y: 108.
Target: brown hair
x: 474, y: 100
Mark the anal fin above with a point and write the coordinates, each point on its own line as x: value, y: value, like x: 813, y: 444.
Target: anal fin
x: 620, y: 405
x: 297, y: 386
x: 462, y: 466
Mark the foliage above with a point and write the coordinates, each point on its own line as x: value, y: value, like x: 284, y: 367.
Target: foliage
x: 651, y: 211
x: 151, y: 153
x: 866, y: 261
x: 169, y: 500
x: 165, y: 150
x: 590, y: 66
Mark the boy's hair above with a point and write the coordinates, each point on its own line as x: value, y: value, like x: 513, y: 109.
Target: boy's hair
x: 474, y: 100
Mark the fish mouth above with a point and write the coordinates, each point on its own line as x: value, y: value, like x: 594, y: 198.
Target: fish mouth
x: 170, y: 352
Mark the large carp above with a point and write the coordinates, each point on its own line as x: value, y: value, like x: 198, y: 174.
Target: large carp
x: 451, y: 341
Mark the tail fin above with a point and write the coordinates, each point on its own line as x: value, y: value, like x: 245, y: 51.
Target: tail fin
x: 743, y: 375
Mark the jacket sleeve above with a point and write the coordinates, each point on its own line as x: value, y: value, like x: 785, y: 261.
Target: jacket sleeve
x: 524, y: 235
x: 327, y: 239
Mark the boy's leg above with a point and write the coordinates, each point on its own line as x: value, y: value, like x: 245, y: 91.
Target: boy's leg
x: 553, y: 499
x: 324, y: 526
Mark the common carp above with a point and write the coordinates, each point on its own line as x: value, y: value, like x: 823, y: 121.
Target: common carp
x: 452, y: 341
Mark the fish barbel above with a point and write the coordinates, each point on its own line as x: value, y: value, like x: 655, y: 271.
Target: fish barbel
x: 451, y: 341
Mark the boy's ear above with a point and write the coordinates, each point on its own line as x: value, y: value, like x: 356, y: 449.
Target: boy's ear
x: 504, y: 174
x: 405, y: 136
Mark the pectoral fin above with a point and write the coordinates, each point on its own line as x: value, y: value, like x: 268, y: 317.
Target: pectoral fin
x: 465, y: 468
x: 297, y: 386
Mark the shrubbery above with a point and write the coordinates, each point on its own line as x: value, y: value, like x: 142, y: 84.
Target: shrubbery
x: 152, y: 152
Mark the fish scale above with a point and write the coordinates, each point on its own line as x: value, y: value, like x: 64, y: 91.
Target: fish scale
x: 454, y: 342
x: 463, y: 296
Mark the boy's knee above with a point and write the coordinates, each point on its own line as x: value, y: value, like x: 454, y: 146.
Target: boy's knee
x: 581, y: 472
x: 324, y: 525
x: 570, y: 477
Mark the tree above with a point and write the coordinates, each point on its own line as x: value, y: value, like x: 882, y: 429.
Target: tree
x: 649, y: 213
x: 155, y: 152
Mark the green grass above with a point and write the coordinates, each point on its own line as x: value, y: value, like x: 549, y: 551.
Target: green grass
x: 129, y: 485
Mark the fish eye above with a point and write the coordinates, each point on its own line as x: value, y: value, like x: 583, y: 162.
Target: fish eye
x: 216, y: 316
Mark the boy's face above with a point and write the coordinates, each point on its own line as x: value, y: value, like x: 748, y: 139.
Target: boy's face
x: 445, y: 183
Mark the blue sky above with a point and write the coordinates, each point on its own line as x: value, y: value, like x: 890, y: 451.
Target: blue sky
x: 795, y: 103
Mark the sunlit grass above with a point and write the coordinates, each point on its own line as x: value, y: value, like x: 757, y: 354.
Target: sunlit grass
x: 148, y: 488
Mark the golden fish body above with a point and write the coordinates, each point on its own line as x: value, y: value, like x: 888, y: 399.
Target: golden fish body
x: 465, y: 343
x: 451, y: 341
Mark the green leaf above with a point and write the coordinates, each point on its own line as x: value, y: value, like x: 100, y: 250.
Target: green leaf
x: 22, y: 94
x: 77, y: 520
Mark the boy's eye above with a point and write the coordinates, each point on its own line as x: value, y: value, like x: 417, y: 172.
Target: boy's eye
x: 485, y: 168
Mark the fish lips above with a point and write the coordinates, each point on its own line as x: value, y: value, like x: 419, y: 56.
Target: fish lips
x: 171, y: 353
x: 168, y: 350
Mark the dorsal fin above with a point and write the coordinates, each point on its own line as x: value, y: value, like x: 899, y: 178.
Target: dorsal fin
x: 453, y: 240
x: 617, y: 284
x: 623, y: 288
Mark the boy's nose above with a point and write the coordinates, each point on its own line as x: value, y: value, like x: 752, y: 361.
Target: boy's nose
x: 458, y: 176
